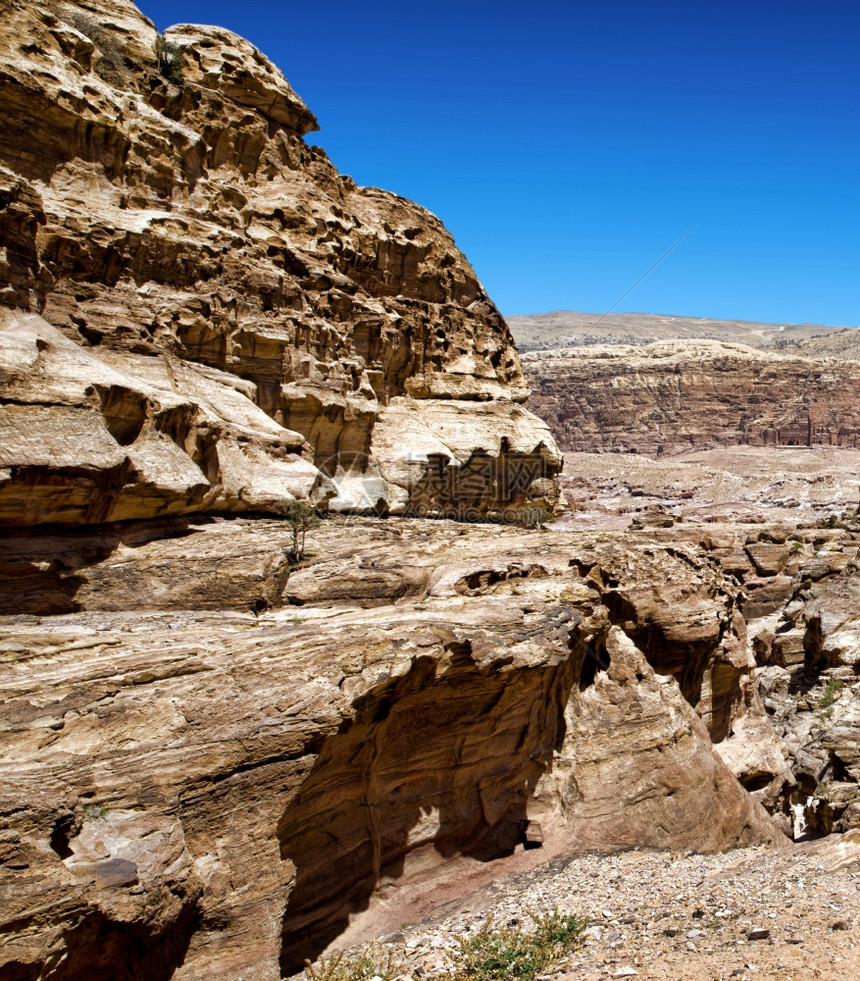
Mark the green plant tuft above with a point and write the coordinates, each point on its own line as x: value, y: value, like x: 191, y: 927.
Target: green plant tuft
x: 510, y: 953
x: 369, y: 963
x: 514, y: 954
x: 169, y: 57
x: 831, y: 690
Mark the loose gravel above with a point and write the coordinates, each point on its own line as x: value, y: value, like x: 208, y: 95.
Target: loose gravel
x: 790, y: 914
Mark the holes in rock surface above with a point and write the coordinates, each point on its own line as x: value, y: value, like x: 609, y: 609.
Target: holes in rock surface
x: 90, y: 335
x: 124, y: 412
x: 596, y: 659
x: 60, y: 836
x: 446, y: 763
x: 755, y: 781
x: 839, y: 770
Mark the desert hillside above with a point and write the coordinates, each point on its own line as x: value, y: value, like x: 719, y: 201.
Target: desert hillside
x: 672, y: 396
x: 567, y: 328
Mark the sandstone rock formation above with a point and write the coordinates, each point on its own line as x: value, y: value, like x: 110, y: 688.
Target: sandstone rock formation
x: 211, y: 759
x: 792, y: 736
x: 672, y: 396
x: 203, y: 792
x: 809, y: 649
x: 203, y: 315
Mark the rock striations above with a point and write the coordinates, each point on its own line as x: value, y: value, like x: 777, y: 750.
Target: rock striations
x: 201, y: 314
x: 202, y: 793
x: 672, y: 396
x: 213, y: 758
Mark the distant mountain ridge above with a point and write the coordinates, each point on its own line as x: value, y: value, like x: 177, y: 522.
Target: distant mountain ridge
x: 568, y: 328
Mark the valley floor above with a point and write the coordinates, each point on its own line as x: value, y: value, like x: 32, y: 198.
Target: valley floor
x: 670, y: 917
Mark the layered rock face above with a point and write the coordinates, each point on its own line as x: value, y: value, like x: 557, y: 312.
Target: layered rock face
x: 203, y: 315
x: 673, y: 396
x: 807, y: 641
x: 194, y: 791
x: 790, y: 729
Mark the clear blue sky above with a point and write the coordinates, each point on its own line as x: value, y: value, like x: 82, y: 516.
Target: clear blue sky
x: 568, y: 145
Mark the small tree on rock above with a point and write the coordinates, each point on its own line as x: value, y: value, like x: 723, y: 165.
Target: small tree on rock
x: 536, y: 517
x: 169, y: 57
x: 301, y: 517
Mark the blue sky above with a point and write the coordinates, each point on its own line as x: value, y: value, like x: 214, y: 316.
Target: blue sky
x: 568, y: 145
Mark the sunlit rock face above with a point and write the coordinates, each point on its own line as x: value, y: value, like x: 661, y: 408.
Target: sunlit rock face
x: 202, y: 314
x: 198, y: 786
x: 672, y: 396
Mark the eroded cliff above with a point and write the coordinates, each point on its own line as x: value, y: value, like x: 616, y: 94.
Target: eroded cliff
x: 672, y: 396
x: 203, y: 315
x: 213, y: 759
x: 214, y: 793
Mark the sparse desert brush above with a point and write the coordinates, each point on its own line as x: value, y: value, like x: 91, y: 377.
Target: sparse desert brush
x: 517, y: 952
x: 513, y: 953
x: 301, y: 517
x: 831, y: 690
x: 169, y: 56
x: 370, y: 962
x: 536, y: 517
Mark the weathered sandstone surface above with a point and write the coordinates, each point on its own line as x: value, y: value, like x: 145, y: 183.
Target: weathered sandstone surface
x: 203, y: 315
x: 673, y: 396
x: 793, y: 551
x: 212, y: 759
x: 195, y: 790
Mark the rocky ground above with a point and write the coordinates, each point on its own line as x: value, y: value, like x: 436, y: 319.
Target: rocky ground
x: 789, y: 914
x: 667, y: 915
x: 740, y: 484
x: 217, y: 758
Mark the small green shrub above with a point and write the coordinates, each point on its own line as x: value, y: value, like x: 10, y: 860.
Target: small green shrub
x: 509, y: 953
x: 828, y: 522
x: 831, y: 690
x: 370, y: 962
x: 536, y: 517
x: 169, y: 60
x: 513, y: 954
x: 92, y: 812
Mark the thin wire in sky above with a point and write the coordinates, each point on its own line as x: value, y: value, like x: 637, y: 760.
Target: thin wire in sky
x: 639, y: 280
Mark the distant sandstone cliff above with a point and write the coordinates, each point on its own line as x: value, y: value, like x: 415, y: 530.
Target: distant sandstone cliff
x: 672, y: 396
x: 200, y: 313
